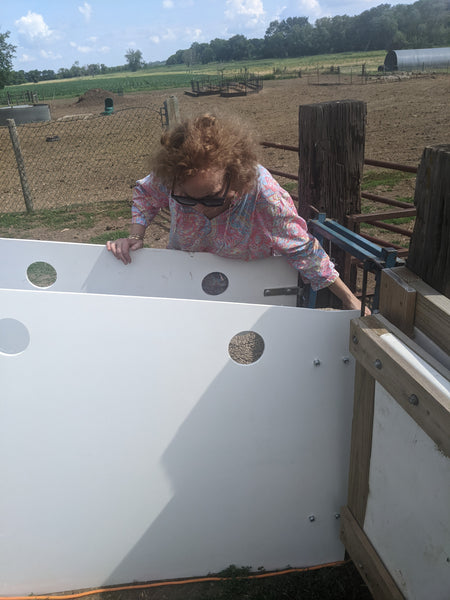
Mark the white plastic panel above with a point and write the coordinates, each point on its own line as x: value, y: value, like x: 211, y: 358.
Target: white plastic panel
x: 132, y: 447
x: 408, y: 510
x: 91, y: 268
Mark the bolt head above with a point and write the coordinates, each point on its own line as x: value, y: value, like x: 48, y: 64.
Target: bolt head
x: 413, y: 399
x: 316, y: 362
x: 312, y: 518
x: 378, y: 364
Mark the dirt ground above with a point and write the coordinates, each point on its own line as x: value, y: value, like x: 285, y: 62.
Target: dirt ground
x: 404, y: 115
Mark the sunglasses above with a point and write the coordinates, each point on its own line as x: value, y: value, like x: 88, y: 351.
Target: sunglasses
x: 214, y: 200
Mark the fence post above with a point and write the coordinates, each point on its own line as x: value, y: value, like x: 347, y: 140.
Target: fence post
x: 331, y: 162
x: 429, y: 251
x: 20, y: 164
x: 172, y: 111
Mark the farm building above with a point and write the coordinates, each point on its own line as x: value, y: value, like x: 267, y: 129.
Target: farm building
x: 417, y: 60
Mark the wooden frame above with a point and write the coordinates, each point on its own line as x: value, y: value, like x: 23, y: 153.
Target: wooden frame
x: 407, y: 304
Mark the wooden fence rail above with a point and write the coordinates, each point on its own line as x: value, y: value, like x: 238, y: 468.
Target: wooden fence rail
x: 375, y: 219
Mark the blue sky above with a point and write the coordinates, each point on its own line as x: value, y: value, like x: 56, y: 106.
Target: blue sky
x: 50, y: 34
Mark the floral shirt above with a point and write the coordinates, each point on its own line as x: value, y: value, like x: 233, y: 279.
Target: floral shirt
x: 258, y: 224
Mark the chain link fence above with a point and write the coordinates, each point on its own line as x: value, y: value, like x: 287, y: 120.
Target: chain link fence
x: 77, y: 160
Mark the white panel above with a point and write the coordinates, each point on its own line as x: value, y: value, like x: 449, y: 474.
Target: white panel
x: 408, y: 510
x: 133, y: 448
x: 91, y: 268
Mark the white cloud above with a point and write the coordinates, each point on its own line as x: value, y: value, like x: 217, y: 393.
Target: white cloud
x: 168, y: 4
x: 194, y: 34
x: 25, y: 58
x: 105, y: 49
x: 155, y: 39
x: 33, y: 26
x: 169, y: 35
x: 82, y: 49
x: 86, y: 11
x: 49, y: 54
x: 253, y: 10
x: 309, y: 7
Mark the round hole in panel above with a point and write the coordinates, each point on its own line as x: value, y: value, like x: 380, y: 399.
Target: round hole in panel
x: 14, y: 336
x: 41, y: 274
x: 246, y: 347
x: 214, y: 283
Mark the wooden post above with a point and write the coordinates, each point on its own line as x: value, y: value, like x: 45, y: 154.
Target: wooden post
x: 331, y: 157
x: 20, y: 165
x: 429, y: 251
x: 172, y: 111
x: 331, y: 162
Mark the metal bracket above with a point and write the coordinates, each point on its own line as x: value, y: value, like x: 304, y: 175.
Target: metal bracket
x: 374, y: 257
x: 283, y: 291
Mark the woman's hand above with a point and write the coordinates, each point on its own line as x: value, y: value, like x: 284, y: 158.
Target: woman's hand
x: 122, y: 247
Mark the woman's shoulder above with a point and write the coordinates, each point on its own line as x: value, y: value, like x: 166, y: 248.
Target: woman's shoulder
x: 269, y: 190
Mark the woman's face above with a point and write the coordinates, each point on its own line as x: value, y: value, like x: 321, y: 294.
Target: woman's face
x: 205, y: 184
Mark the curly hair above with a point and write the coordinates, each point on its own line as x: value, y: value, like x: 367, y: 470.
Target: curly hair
x: 207, y: 142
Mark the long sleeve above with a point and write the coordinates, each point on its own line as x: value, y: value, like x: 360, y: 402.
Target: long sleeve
x: 149, y: 197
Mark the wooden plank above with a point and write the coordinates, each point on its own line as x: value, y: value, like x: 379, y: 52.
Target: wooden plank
x: 361, y: 443
x: 366, y: 559
x: 397, y: 301
x: 432, y: 315
x: 424, y: 401
x: 429, y: 251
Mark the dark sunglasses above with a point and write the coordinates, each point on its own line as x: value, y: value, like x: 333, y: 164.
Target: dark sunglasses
x: 206, y: 200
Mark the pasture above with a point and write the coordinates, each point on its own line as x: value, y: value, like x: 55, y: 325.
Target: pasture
x: 177, y: 76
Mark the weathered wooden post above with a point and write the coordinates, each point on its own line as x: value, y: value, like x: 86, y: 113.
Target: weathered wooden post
x: 172, y: 111
x: 20, y: 165
x: 331, y: 162
x: 429, y: 251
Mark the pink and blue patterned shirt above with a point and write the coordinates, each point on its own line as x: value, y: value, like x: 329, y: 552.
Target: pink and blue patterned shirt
x: 260, y: 223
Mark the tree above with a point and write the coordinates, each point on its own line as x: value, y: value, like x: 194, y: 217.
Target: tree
x: 7, y: 52
x: 134, y: 59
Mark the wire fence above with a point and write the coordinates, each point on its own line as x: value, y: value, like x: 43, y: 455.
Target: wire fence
x: 79, y: 160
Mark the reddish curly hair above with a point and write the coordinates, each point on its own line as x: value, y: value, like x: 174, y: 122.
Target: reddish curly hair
x: 207, y: 142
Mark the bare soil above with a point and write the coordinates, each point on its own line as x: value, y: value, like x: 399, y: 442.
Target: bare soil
x: 404, y: 115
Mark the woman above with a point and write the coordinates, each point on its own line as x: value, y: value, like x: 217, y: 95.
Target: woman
x: 222, y: 201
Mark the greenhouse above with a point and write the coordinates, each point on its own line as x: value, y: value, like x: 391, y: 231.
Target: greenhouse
x: 417, y: 60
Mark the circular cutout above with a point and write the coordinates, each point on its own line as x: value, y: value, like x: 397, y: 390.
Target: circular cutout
x: 246, y: 347
x: 14, y: 336
x: 41, y: 274
x: 215, y: 283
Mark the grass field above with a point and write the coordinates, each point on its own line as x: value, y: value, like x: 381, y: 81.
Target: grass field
x: 164, y: 77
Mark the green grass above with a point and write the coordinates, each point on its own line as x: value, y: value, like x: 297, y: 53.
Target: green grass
x: 109, y: 235
x: 82, y: 217
x: 175, y: 76
x: 387, y: 179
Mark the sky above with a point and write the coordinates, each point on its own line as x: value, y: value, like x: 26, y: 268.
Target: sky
x: 50, y: 34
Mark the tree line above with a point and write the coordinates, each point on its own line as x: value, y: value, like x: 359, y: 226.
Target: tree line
x: 424, y: 24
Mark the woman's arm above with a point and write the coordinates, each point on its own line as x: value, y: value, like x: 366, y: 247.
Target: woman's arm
x: 348, y: 299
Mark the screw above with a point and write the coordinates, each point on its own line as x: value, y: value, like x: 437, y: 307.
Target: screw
x: 378, y: 364
x: 312, y: 518
x: 316, y: 362
x: 337, y: 516
x: 413, y: 399
x: 346, y: 360
x: 355, y: 339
